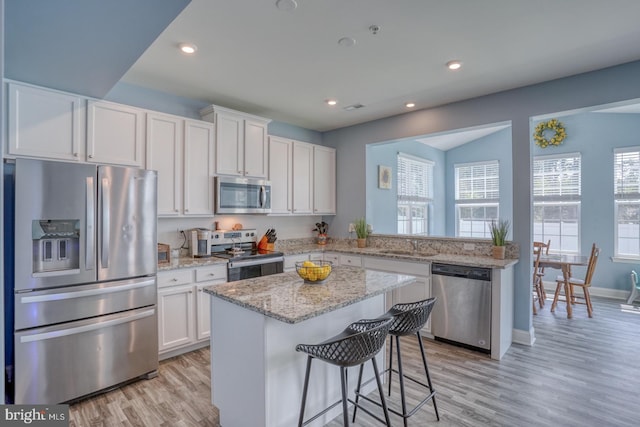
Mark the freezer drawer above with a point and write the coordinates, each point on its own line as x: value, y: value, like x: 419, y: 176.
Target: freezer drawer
x: 59, y: 363
x: 41, y: 308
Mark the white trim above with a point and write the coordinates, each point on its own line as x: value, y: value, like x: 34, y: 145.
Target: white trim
x: 625, y: 260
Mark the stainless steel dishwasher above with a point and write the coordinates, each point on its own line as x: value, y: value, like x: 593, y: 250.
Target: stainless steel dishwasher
x: 462, y: 313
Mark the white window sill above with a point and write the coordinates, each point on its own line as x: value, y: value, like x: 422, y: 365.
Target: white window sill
x: 626, y: 260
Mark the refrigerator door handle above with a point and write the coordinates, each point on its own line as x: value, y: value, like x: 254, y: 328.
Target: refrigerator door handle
x: 105, y: 232
x: 90, y: 243
x: 87, y: 293
x: 87, y: 328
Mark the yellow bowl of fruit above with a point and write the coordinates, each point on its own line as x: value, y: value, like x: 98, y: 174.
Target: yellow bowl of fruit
x: 313, y: 272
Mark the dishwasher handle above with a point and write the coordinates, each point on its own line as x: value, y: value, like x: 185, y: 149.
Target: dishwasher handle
x: 466, y: 272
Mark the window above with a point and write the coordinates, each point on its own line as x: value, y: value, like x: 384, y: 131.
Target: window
x: 556, y: 201
x: 415, y: 194
x: 477, y: 198
x: 626, y: 175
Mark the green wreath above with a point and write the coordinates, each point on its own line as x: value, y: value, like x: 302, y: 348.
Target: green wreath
x: 559, y: 133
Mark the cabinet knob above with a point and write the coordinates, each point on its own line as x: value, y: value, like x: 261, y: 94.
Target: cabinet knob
x: 190, y: 292
x: 186, y: 210
x: 175, y: 210
x: 174, y: 280
x: 75, y: 154
x: 211, y: 274
x: 91, y: 156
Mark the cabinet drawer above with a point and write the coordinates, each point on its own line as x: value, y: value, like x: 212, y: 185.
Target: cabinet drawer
x: 213, y: 272
x: 173, y: 278
x: 352, y: 260
x: 290, y: 260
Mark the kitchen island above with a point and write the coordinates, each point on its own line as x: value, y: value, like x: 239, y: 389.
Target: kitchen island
x: 257, y: 375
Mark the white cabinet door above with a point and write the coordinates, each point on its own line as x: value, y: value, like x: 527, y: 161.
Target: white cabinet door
x: 290, y: 261
x: 164, y: 154
x: 115, y: 134
x: 198, y: 168
x: 203, y: 312
x: 229, y: 144
x: 255, y: 149
x: 302, y: 178
x: 44, y: 123
x: 280, y: 164
x: 175, y: 317
x: 324, y: 180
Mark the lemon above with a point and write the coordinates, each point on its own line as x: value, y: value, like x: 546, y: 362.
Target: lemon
x: 308, y: 264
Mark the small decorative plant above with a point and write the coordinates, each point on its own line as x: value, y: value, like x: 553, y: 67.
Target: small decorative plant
x: 499, y: 231
x: 361, y: 228
x: 321, y: 227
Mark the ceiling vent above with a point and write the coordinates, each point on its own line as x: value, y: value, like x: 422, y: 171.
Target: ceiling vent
x: 353, y: 107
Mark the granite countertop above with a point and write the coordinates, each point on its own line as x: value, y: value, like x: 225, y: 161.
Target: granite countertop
x: 401, y: 255
x: 189, y: 262
x: 287, y: 298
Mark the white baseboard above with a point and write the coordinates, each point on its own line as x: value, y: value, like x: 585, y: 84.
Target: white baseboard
x: 523, y: 337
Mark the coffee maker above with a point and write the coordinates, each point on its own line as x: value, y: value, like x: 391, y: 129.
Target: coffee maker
x: 200, y: 245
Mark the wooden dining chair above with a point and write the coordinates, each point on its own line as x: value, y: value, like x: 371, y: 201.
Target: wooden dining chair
x: 538, y: 272
x: 584, y: 284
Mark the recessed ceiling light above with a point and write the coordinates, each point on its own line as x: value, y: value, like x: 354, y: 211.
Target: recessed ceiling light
x: 188, y: 48
x: 331, y: 102
x: 454, y: 65
x: 286, y: 5
x: 347, y: 41
x: 410, y: 104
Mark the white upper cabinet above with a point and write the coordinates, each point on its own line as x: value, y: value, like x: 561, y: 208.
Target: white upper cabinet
x: 115, y: 134
x: 198, y: 168
x: 324, y: 180
x: 181, y: 150
x: 302, y: 178
x: 164, y: 154
x: 280, y: 174
x: 241, y: 142
x: 256, y: 155
x: 45, y: 123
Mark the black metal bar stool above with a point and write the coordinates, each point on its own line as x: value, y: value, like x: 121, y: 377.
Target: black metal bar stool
x: 408, y: 319
x: 354, y: 346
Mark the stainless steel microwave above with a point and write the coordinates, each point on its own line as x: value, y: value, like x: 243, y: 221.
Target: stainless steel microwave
x: 242, y: 195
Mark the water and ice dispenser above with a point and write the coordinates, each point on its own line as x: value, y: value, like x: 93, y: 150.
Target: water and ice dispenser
x: 56, y: 245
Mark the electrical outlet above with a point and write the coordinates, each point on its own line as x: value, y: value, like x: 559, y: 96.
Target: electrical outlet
x: 352, y: 227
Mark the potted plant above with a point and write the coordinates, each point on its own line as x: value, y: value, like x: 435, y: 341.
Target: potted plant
x: 321, y: 228
x: 499, y: 231
x: 362, y: 231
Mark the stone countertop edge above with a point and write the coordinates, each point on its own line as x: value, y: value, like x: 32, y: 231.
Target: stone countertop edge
x: 456, y: 259
x: 189, y: 262
x: 285, y: 297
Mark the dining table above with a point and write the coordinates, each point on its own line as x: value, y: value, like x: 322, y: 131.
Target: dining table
x: 563, y: 262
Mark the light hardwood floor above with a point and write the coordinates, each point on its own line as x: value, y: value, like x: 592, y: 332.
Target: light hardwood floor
x: 581, y: 372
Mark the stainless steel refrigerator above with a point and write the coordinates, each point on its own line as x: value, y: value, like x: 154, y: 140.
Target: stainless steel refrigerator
x: 83, y: 278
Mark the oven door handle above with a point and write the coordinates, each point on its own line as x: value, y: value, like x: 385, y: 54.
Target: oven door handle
x: 248, y: 263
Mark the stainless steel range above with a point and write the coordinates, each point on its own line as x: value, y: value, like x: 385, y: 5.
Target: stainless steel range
x: 245, y: 259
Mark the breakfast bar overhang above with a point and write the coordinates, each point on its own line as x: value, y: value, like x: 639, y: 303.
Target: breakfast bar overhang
x: 257, y: 376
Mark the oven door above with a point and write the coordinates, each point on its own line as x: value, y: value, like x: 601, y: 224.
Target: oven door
x: 246, y: 269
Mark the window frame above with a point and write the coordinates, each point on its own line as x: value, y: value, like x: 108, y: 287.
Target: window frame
x: 410, y: 200
x: 558, y: 200
x: 483, y: 202
x: 625, y: 197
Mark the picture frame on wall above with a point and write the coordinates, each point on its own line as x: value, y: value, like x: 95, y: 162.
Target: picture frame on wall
x: 384, y: 177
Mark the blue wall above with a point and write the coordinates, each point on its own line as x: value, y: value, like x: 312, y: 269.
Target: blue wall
x: 604, y: 86
x: 496, y: 146
x: 138, y: 96
x: 594, y: 136
x: 381, y: 203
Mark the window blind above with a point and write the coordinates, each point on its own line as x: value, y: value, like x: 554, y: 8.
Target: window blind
x: 626, y: 171
x: 557, y: 177
x: 415, y: 179
x: 478, y: 181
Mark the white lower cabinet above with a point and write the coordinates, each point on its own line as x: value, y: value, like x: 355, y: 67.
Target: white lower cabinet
x: 183, y: 307
x: 417, y: 291
x: 352, y: 260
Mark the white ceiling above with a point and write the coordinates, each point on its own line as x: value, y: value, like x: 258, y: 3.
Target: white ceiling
x: 284, y: 64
